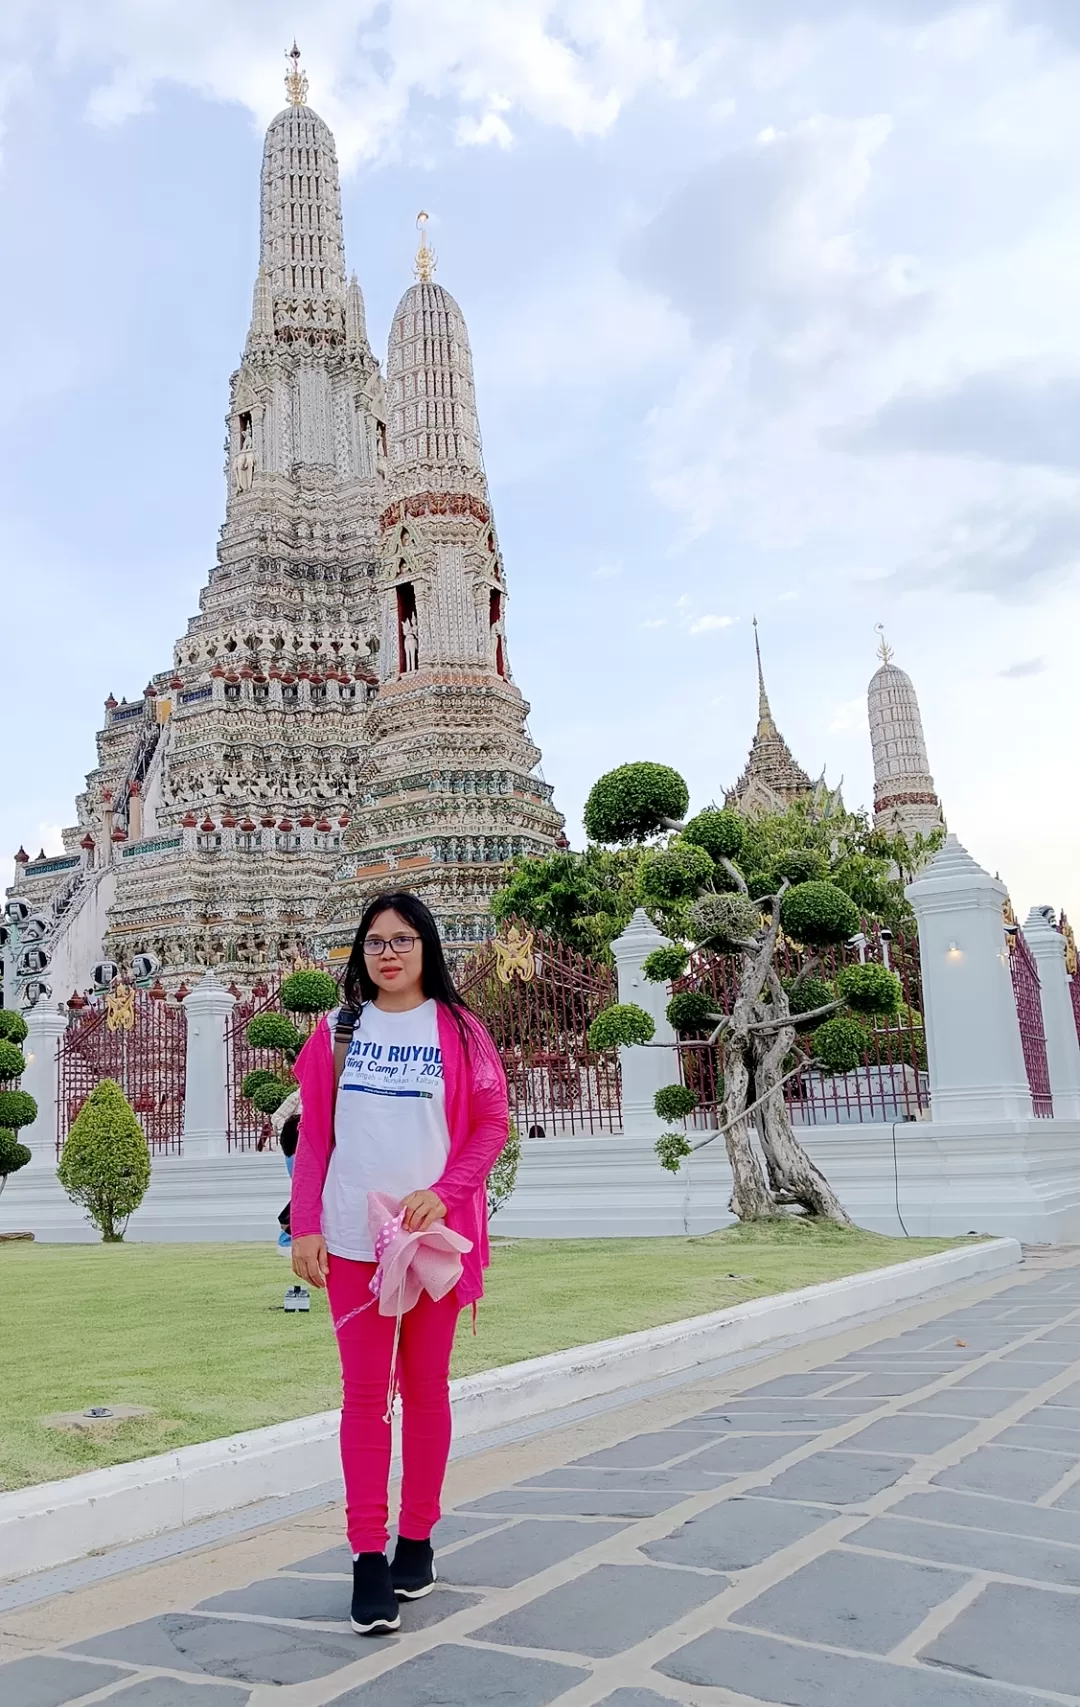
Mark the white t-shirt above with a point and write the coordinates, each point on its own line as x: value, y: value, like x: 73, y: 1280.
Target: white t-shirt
x: 390, y: 1126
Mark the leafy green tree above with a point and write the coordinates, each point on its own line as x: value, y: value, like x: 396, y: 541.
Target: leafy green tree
x: 13, y: 1028
x: 309, y: 992
x: 105, y: 1162
x: 503, y: 1176
x: 12, y: 1060
x: 584, y: 899
x: 769, y: 876
x: 13, y: 1156
x: 266, y: 1087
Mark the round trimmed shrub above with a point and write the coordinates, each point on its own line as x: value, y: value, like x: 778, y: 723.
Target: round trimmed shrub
x: 672, y: 1148
x: 810, y: 994
x: 801, y: 865
x: 12, y: 1060
x: 635, y: 801
x: 840, y: 1044
x: 268, y: 1098
x: 663, y: 964
x: 17, y: 1108
x: 675, y: 873
x: 13, y: 1028
x: 13, y: 1156
x: 870, y: 989
x: 623, y: 1024
x: 105, y: 1164
x: 818, y: 914
x: 720, y: 833
x: 724, y: 921
x: 257, y: 1077
x: 309, y: 992
x: 273, y: 1031
x: 675, y: 1102
x: 691, y: 1010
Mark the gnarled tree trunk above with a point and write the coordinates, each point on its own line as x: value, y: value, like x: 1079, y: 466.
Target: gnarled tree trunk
x: 792, y: 1174
x: 751, y: 1198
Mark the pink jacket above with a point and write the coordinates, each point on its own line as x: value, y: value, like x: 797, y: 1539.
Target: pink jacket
x: 477, y: 1114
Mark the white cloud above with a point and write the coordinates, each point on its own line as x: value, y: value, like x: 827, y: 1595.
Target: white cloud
x: 51, y: 839
x: 848, y: 717
x: 607, y: 572
x: 492, y: 127
x: 654, y: 622
x: 707, y: 624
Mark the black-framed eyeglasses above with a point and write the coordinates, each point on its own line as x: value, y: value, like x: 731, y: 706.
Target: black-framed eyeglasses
x: 377, y: 945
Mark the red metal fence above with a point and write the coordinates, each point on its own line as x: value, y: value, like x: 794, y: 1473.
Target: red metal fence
x: 140, y: 1041
x: 891, y: 1084
x: 246, y: 1124
x: 538, y: 998
x: 1028, y: 995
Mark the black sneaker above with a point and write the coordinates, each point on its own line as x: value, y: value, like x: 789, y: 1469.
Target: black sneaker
x: 374, y: 1604
x: 413, y: 1571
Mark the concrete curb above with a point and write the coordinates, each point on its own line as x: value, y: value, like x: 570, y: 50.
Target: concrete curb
x: 57, y: 1522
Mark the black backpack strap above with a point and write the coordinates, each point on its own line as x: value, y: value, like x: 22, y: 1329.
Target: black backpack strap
x: 344, y: 1026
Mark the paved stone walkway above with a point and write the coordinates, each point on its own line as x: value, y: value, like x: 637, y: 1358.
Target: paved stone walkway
x: 893, y: 1520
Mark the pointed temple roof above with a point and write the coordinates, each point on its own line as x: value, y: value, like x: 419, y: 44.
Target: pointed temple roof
x: 771, y: 779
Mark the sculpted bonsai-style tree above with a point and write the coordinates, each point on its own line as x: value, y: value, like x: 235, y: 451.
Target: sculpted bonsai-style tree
x: 308, y: 992
x: 698, y: 868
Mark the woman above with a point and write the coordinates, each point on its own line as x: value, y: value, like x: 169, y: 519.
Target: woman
x: 420, y: 1113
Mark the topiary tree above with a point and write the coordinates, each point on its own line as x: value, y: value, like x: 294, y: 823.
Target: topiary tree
x: 503, y: 1176
x: 264, y: 1087
x: 17, y: 1109
x: 13, y: 1156
x: 757, y: 1037
x: 13, y: 1028
x: 12, y: 1060
x: 105, y: 1163
x: 309, y: 992
x: 274, y: 1031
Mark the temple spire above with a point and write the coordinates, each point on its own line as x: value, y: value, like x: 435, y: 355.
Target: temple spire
x: 426, y: 258
x: 296, y: 83
x: 766, y: 726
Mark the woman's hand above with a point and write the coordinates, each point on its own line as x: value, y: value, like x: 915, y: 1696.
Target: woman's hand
x: 310, y: 1261
x: 422, y: 1210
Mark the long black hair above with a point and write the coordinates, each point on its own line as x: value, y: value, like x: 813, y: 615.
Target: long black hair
x: 358, y: 985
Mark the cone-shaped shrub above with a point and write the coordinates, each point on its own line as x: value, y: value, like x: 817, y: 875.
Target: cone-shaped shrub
x: 105, y: 1165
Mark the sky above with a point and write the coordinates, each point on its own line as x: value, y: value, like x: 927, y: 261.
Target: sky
x: 773, y: 307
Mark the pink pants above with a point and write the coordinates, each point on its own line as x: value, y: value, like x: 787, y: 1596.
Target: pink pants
x: 423, y: 1376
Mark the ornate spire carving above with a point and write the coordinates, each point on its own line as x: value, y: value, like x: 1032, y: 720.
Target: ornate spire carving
x: 296, y: 83
x: 426, y: 258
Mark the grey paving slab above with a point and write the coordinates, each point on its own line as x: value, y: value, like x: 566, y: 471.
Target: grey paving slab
x: 1028, y: 1636
x: 1068, y: 1396
x: 1057, y: 1416
x: 740, y: 1452
x: 453, y: 1675
x: 768, y: 1670
x: 848, y: 1600
x: 174, y: 1692
x: 47, y: 1680
x: 736, y: 1534
x: 907, y: 1434
x: 1069, y: 1500
x: 682, y: 1477
x: 604, y: 1612
x: 1010, y: 1555
x: 602, y: 1502
x: 322, y: 1599
x: 1017, y: 1377
x: 642, y: 1451
x: 793, y: 1421
x: 1003, y: 1517
x: 1045, y: 1436
x: 816, y: 1404
x: 218, y: 1647
x: 507, y: 1558
x: 635, y: 1698
x: 1007, y: 1471
x: 838, y: 1478
x: 890, y: 1385
x: 793, y: 1386
x: 337, y: 1561
x: 963, y: 1402
x: 1039, y: 1352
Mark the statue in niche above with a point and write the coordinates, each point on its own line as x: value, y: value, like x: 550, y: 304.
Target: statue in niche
x: 243, y: 472
x: 412, y: 644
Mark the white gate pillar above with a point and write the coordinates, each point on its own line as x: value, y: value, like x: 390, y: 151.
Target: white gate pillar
x: 45, y: 1033
x: 973, y: 1043
x: 645, y: 1070
x: 1062, y: 1044
x: 207, y: 1010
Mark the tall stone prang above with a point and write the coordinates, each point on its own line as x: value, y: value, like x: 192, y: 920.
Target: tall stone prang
x: 347, y: 670
x: 905, y: 802
x: 450, y: 788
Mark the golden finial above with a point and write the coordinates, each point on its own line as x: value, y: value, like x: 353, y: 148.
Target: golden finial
x: 884, y: 650
x: 424, y: 265
x: 296, y: 83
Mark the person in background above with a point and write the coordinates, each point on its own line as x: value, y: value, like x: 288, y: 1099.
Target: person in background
x: 285, y: 1124
x: 403, y: 1093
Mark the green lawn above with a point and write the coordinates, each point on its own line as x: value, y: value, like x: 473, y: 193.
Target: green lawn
x: 197, y: 1333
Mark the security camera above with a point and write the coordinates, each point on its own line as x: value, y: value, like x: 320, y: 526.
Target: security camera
x: 145, y: 966
x: 106, y: 972
x: 33, y: 960
x: 885, y: 934
x: 16, y: 912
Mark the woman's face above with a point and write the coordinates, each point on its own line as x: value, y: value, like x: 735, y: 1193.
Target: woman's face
x: 394, y: 954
